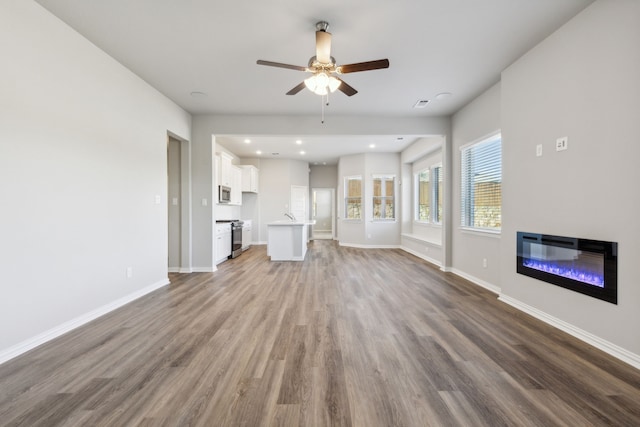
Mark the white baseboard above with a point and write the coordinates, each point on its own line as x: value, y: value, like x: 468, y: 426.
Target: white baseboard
x: 356, y: 245
x: 422, y: 256
x: 606, y: 346
x: 55, y: 332
x: 204, y: 269
x: 180, y: 270
x: 489, y: 286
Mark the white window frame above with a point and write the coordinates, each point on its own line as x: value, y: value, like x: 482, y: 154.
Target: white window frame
x: 438, y: 180
x: 467, y: 211
x: 383, y: 197
x: 416, y: 211
x: 346, y: 197
x: 437, y: 186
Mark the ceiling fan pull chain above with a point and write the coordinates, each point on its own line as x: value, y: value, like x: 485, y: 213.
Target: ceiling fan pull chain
x: 322, y: 107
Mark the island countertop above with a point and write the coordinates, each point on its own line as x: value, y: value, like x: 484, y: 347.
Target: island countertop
x: 287, y: 240
x: 294, y: 223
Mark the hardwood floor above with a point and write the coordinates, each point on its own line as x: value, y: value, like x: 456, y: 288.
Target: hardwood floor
x: 349, y: 337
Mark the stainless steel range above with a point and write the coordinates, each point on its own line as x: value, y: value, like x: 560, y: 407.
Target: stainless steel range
x: 236, y: 237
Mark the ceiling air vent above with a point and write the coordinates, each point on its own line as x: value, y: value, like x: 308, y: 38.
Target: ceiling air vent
x: 421, y: 103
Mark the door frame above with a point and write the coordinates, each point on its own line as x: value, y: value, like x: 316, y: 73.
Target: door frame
x: 332, y: 192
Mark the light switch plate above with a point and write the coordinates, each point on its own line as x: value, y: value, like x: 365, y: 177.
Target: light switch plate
x: 562, y: 143
x: 539, y: 150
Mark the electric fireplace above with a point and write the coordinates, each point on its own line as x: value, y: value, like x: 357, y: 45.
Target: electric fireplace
x: 582, y: 265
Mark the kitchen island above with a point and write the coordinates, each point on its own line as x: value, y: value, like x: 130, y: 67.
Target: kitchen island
x: 287, y: 240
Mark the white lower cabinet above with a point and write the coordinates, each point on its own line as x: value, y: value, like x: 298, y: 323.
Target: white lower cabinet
x: 246, y: 234
x: 223, y: 241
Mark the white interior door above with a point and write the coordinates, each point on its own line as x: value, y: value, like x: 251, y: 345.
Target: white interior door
x: 298, y: 206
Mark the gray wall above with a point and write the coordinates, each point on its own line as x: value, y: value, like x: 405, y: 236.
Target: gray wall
x: 367, y: 232
x: 475, y: 121
x: 323, y: 176
x: 205, y: 128
x: 581, y: 82
x: 83, y: 173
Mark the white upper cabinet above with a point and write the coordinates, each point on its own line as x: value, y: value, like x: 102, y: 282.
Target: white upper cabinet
x: 225, y: 177
x: 236, y: 185
x: 249, y: 179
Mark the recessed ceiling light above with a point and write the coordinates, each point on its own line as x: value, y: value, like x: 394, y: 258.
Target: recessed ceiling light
x: 443, y: 95
x: 196, y: 94
x: 247, y: 141
x: 372, y: 145
x: 324, y: 163
x: 298, y: 142
x: 258, y: 152
x: 275, y: 154
x: 302, y: 153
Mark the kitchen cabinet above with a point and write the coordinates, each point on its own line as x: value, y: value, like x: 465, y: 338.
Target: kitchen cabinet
x: 246, y: 234
x: 236, y: 185
x: 249, y: 179
x: 225, y: 176
x: 223, y: 241
x: 287, y: 240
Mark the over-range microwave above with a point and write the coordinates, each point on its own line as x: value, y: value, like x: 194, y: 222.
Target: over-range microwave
x: 224, y: 194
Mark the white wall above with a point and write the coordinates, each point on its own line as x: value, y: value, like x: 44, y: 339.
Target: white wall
x: 475, y: 121
x: 83, y: 155
x: 581, y: 82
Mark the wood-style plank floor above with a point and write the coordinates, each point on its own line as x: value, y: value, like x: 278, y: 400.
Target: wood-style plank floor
x: 349, y: 337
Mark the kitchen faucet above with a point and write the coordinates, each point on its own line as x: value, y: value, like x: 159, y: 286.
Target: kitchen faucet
x: 290, y: 216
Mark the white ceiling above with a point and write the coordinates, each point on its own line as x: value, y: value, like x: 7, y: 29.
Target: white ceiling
x: 211, y: 46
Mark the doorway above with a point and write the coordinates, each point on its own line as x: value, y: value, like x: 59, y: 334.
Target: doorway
x: 178, y: 205
x: 323, y: 212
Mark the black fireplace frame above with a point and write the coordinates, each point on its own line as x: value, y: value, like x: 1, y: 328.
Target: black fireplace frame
x: 609, y: 250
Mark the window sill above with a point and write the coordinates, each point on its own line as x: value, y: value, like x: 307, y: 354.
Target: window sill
x: 427, y: 224
x: 482, y: 232
x: 422, y: 239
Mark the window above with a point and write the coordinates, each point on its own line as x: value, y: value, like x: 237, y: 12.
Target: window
x: 481, y: 201
x: 429, y: 191
x: 383, y: 197
x: 353, y: 197
x: 424, y: 194
x: 438, y: 190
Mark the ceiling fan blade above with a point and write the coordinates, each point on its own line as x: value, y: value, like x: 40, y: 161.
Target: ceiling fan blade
x: 345, y: 88
x: 323, y: 47
x: 363, y: 66
x: 297, y: 89
x: 280, y: 65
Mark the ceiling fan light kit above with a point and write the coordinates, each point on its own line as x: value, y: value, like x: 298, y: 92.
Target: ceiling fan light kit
x: 323, y: 66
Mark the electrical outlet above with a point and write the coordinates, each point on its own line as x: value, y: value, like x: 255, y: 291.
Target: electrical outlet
x: 539, y: 150
x: 562, y: 143
x: 129, y: 272
x: 158, y: 199
x: 204, y: 202
x: 368, y: 236
x: 484, y: 263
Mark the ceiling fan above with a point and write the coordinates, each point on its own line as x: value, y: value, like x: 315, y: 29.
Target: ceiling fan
x: 323, y: 66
